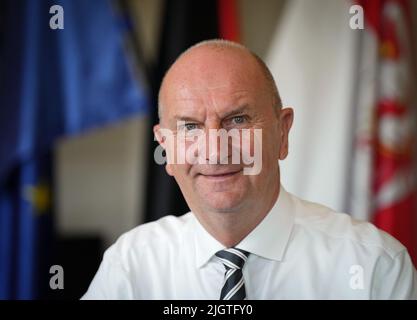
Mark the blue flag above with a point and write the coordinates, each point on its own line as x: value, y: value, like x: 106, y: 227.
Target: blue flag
x: 53, y: 82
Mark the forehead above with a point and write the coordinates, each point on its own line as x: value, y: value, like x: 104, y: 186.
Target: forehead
x: 212, y: 80
x: 201, y: 99
x: 201, y: 103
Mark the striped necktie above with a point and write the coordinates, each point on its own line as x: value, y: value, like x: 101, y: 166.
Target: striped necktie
x: 233, y: 260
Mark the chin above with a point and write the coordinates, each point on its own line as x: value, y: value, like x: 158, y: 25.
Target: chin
x: 223, y: 202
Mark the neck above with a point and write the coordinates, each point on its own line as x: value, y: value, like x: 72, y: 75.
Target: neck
x: 230, y: 228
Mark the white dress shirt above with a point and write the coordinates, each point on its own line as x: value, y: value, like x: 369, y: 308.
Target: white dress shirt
x: 300, y: 250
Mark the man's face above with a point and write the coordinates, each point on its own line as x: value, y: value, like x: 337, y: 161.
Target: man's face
x: 211, y: 90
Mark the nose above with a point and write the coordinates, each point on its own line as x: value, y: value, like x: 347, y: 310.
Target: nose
x: 217, y: 150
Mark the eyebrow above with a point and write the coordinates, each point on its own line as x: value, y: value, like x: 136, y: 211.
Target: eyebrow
x: 185, y: 118
x: 237, y: 111
x: 234, y: 112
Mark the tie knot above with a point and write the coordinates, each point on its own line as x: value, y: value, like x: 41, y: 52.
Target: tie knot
x: 233, y: 258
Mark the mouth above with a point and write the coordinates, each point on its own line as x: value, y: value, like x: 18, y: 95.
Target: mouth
x: 220, y: 175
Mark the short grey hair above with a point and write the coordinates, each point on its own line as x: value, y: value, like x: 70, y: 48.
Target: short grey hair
x: 226, y: 44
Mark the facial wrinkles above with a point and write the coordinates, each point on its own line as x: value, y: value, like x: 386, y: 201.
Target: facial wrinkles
x: 210, y: 102
x: 207, y: 105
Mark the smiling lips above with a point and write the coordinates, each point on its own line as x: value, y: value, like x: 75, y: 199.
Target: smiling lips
x: 220, y: 174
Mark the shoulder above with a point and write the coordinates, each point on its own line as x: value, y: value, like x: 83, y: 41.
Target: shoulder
x: 136, y: 254
x: 322, y: 222
x: 167, y: 232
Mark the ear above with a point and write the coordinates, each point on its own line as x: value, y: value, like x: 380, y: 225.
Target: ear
x: 162, y: 142
x: 158, y: 135
x: 286, y: 117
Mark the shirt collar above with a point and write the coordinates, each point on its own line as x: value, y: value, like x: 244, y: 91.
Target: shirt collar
x: 269, y: 239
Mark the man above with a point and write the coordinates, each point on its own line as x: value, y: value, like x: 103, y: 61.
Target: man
x: 246, y: 237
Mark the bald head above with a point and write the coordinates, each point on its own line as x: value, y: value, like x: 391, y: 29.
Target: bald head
x: 215, y: 90
x: 222, y: 47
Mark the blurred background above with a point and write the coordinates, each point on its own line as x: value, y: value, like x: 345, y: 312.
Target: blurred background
x: 78, y: 86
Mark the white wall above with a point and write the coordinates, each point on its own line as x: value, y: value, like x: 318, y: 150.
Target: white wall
x: 100, y: 180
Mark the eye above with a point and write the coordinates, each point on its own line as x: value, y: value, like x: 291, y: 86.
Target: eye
x: 190, y: 126
x: 238, y: 120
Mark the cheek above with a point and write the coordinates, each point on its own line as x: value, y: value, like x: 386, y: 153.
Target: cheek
x: 181, y: 172
x: 271, y: 151
x: 186, y: 150
x: 271, y: 144
x: 250, y: 144
x: 256, y: 184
